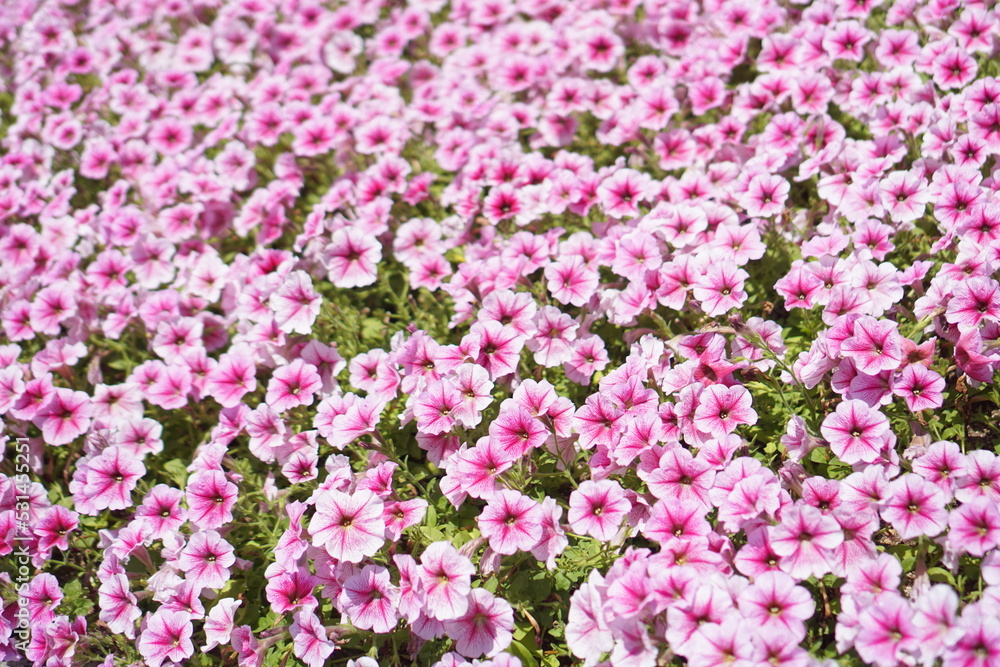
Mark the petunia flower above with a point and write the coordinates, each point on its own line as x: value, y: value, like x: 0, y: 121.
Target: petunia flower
x: 369, y: 599
x: 210, y: 498
x: 352, y: 258
x: 765, y: 196
x: 571, y: 281
x: 291, y: 589
x: 64, y: 416
x: 598, y: 509
x: 805, y: 540
x: 54, y: 526
x: 110, y: 478
x: 855, y: 431
x: 309, y: 639
x: 886, y: 630
x: 119, y: 607
x: 920, y: 387
x: 974, y: 527
x: 474, y: 470
x: 874, y: 347
x: 435, y: 407
x: 233, y: 378
x: 295, y: 303
x: 495, y: 347
x: 166, y: 637
x: 485, y: 628
x: 511, y: 522
x: 445, y: 575
x: 974, y: 300
x: 292, y: 385
x: 349, y: 527
x: 721, y: 409
x: 206, y: 559
x: 42, y: 596
x: 721, y: 289
x: 220, y: 623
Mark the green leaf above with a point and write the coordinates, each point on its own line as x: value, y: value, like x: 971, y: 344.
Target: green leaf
x: 177, y: 471
x: 75, y: 602
x: 520, y: 651
x: 941, y: 574
x: 372, y: 328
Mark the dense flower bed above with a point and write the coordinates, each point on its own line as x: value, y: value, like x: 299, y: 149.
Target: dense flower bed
x: 500, y: 332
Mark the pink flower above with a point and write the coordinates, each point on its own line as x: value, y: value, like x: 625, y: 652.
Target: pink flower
x: 485, y: 628
x: 166, y: 637
x: 119, y: 607
x: 497, y: 348
x: 941, y: 464
x: 360, y: 416
x: 233, y: 378
x: 974, y: 527
x: 979, y: 645
x: 874, y: 347
x: 474, y: 387
x: 436, y: 406
x: 855, y: 432
x: 599, y: 422
x: 775, y: 602
x: 721, y: 289
x: 765, y: 196
x: 954, y: 68
x: 352, y: 258
x: 474, y: 471
x: 588, y: 357
x: 678, y: 476
x: 920, y: 387
x: 220, y: 622
x: 672, y: 521
x: 981, y: 477
x: 64, y: 416
x: 369, y: 599
x: 503, y: 201
x: 511, y: 309
x: 349, y: 527
x: 295, y: 303
x: 554, y: 540
x: 915, y: 507
x: 752, y: 497
x: 210, y: 499
x: 636, y: 253
x: 598, y: 509
x: 974, y: 300
x: 170, y: 136
x: 721, y: 409
x: 588, y: 631
x: 311, y: 643
x: 511, y: 522
x: 111, y: 476
x: 43, y: 596
x: 886, y: 630
x: 571, y: 281
x: 54, y: 526
x: 517, y: 431
x: 293, y: 385
x: 718, y: 643
x: 206, y: 560
x: 291, y: 589
x: 805, y: 540
x: 446, y: 578
x: 620, y: 193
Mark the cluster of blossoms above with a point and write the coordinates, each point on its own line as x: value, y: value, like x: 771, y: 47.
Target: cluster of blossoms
x: 684, y: 354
